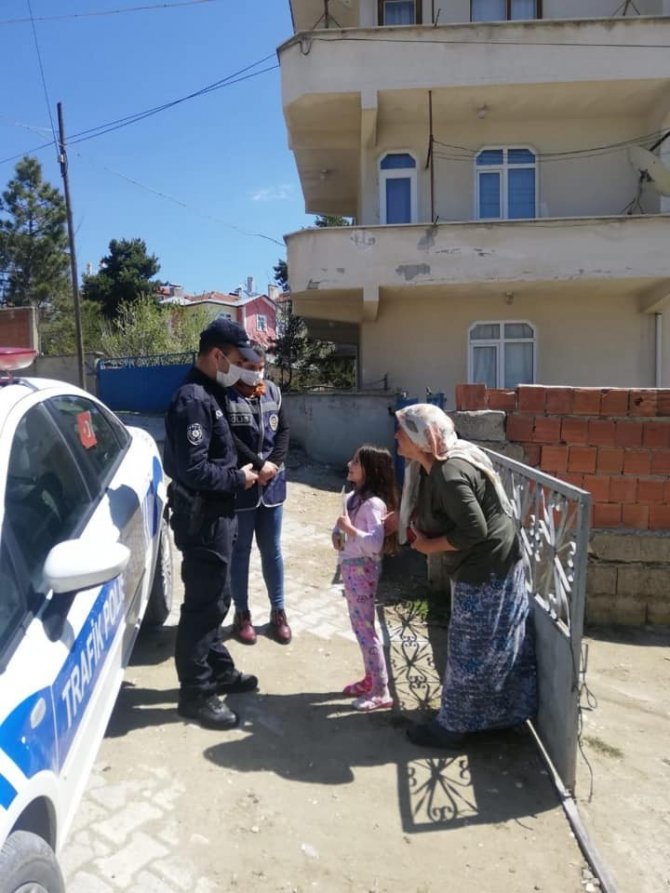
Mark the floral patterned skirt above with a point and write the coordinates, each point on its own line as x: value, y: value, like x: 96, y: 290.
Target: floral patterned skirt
x: 491, y: 679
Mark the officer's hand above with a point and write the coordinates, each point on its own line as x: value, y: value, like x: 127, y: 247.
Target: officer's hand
x: 250, y: 476
x: 267, y: 472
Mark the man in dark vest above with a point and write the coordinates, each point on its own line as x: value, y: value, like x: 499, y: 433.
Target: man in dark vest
x: 201, y: 459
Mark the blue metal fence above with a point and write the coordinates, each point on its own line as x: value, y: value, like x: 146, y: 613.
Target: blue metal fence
x: 141, y: 384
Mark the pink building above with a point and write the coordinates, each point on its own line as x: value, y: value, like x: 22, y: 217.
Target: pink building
x: 256, y: 312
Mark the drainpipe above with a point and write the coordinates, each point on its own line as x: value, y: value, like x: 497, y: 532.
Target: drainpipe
x: 658, y: 318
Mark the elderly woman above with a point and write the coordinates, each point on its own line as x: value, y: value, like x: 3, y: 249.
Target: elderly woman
x: 453, y: 503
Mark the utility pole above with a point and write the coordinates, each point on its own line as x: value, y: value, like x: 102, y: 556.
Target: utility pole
x: 62, y: 159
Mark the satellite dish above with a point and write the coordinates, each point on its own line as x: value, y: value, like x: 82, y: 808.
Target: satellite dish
x: 650, y: 168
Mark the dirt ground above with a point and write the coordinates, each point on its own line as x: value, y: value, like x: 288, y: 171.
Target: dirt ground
x: 309, y: 795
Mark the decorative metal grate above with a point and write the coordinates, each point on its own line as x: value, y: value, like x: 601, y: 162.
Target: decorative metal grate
x: 553, y: 522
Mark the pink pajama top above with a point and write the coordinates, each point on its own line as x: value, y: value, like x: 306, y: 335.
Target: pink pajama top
x: 368, y: 519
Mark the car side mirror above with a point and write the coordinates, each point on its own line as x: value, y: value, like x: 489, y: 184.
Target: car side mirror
x: 80, y: 564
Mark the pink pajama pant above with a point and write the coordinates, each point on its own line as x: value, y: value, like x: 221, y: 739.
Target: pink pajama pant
x: 360, y: 577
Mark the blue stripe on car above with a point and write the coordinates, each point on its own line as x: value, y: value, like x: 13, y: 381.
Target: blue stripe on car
x: 7, y: 793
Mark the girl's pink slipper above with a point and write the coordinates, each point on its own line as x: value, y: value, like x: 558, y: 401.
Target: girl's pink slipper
x: 373, y: 702
x: 356, y: 689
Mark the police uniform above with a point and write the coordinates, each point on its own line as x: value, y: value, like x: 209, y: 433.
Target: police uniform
x: 259, y: 424
x: 201, y: 459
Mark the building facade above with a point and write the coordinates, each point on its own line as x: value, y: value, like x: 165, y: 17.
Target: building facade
x: 490, y: 154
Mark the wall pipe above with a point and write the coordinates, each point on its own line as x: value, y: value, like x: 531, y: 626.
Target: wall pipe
x: 658, y: 321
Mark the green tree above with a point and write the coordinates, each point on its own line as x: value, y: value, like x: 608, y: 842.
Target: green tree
x: 34, y: 258
x: 58, y: 331
x: 324, y: 220
x: 125, y: 276
x: 143, y: 328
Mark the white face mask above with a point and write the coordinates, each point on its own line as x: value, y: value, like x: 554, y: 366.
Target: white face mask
x: 229, y: 378
x: 251, y: 377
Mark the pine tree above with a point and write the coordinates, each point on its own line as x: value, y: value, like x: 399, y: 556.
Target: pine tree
x: 34, y: 258
x: 125, y: 276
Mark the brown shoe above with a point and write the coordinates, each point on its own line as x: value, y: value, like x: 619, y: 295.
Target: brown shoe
x: 243, y: 629
x: 279, y: 626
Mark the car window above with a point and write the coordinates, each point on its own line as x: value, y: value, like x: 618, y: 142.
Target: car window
x: 46, y: 498
x: 12, y: 601
x: 98, y: 440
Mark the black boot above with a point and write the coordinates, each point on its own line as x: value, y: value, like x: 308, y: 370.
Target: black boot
x: 211, y: 712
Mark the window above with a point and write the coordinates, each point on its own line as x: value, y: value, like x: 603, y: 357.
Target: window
x: 397, y: 188
x: 502, y: 354
x: 506, y: 184
x: 261, y: 323
x: 46, y: 499
x: 97, y: 441
x: 13, y: 607
x: 502, y: 10
x: 399, y: 12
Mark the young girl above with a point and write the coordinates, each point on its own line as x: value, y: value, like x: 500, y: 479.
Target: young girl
x: 360, y: 540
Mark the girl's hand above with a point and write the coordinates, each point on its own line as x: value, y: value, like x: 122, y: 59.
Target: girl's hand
x: 343, y: 523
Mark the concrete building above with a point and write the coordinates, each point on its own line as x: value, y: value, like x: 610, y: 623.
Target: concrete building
x: 482, y: 148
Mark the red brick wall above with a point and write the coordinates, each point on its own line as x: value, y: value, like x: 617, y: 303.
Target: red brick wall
x: 613, y: 442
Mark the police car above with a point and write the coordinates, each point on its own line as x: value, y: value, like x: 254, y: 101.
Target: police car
x: 84, y: 559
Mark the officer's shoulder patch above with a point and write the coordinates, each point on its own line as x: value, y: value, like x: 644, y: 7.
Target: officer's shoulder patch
x: 194, y: 433
x: 274, y: 421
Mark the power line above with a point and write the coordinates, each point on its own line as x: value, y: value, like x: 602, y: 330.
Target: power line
x: 236, y: 77
x: 104, y: 12
x: 185, y: 205
x: 44, y: 82
x: 463, y: 153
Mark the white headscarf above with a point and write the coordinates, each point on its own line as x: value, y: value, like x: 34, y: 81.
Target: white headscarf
x: 429, y: 428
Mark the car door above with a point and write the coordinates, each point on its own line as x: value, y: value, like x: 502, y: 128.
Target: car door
x: 45, y: 500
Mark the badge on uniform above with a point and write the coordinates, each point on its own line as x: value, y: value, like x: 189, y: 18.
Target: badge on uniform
x: 194, y: 433
x: 274, y: 421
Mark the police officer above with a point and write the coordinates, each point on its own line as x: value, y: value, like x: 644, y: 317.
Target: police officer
x: 201, y: 459
x: 260, y: 429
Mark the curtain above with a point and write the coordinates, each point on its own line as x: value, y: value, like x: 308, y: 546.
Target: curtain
x: 521, y: 194
x: 523, y: 9
x: 489, y: 195
x: 399, y: 12
x: 398, y: 200
x: 518, y: 364
x: 485, y: 366
x: 489, y: 10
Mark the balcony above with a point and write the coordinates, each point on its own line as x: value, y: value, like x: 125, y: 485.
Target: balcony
x: 342, y: 274
x: 348, y: 91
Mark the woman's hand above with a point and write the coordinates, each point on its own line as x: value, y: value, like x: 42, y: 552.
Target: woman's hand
x: 391, y: 523
x: 428, y: 545
x: 337, y: 539
x: 267, y: 472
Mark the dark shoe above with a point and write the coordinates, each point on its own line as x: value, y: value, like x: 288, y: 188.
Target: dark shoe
x: 210, y: 712
x: 432, y: 734
x: 279, y: 626
x: 243, y: 629
x: 236, y: 682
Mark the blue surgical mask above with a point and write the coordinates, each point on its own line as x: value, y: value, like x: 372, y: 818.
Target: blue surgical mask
x: 229, y: 378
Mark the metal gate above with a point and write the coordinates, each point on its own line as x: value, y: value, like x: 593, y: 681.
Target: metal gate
x: 553, y: 522
x: 141, y: 384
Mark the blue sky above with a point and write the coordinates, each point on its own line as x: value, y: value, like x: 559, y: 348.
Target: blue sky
x: 224, y: 154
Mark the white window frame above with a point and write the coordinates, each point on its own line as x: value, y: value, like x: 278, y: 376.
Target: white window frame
x: 261, y: 322
x: 402, y: 173
x: 499, y: 343
x: 504, y: 169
